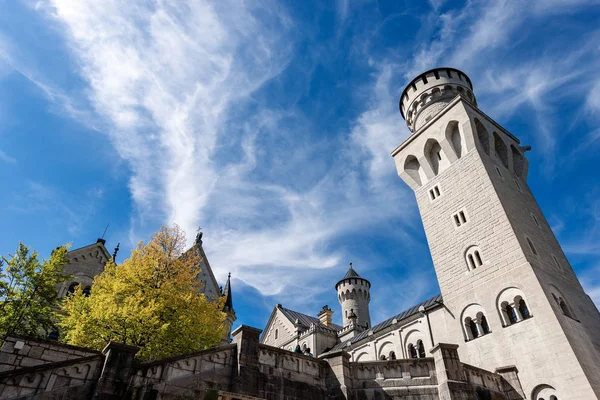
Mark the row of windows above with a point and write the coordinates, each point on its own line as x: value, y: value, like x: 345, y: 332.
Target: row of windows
x: 417, y: 351
x: 86, y: 290
x: 512, y: 311
x: 501, y: 150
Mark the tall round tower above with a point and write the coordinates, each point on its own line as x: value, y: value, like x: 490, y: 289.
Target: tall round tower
x: 430, y: 92
x: 354, y: 296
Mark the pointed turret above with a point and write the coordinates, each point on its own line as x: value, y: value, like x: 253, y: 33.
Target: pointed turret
x: 354, y: 296
x: 227, y: 293
x: 228, y: 309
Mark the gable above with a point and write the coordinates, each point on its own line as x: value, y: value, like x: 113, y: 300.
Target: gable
x: 279, y: 323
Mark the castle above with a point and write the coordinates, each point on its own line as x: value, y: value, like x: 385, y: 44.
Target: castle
x: 509, y: 297
x: 87, y: 262
x: 511, y: 322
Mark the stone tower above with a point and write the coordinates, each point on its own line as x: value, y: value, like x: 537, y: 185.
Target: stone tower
x: 511, y: 296
x: 354, y: 297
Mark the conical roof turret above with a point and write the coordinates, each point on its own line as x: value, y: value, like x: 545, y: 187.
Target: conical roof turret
x: 352, y: 274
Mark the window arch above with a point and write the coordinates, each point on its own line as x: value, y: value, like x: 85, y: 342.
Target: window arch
x: 421, y: 349
x: 544, y: 392
x: 475, y: 323
x: 72, y: 288
x: 473, y: 258
x: 512, y: 306
x: 559, y: 298
x: 454, y: 138
x: 433, y: 154
x: 483, y: 137
x: 412, y: 351
x: 392, y: 355
x: 501, y: 150
x: 87, y: 291
x: 413, y: 169
x: 518, y: 162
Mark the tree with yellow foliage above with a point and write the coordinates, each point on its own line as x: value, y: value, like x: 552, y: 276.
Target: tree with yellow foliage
x: 151, y: 301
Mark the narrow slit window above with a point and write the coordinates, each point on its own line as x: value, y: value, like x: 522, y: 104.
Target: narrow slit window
x: 535, y: 220
x: 498, y: 171
x: 556, y: 262
x: 463, y: 218
x: 434, y: 192
x: 518, y: 186
x: 457, y: 220
x: 439, y: 155
x: 532, y: 247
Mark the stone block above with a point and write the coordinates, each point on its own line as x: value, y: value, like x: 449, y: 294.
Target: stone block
x: 53, y: 355
x: 7, y: 358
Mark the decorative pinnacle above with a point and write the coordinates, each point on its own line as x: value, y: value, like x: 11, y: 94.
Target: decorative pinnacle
x: 229, y: 276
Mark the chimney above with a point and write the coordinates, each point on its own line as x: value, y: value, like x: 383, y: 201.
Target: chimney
x: 325, y: 316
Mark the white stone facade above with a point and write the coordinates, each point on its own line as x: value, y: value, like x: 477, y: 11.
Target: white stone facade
x: 510, y: 296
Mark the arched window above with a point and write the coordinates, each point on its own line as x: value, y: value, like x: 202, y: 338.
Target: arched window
x: 413, y: 169
x: 471, y: 328
x: 383, y: 357
x: 564, y: 308
x: 392, y: 355
x: 511, y: 314
x: 483, y: 137
x: 453, y: 136
x: 433, y: 153
x: 501, y: 150
x: 473, y: 257
x: 518, y: 162
x: 523, y: 309
x: 86, y: 291
x: 72, y: 287
x: 484, y: 325
x: 412, y: 352
x: 421, y: 349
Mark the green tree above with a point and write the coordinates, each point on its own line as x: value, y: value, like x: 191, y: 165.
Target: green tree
x: 151, y: 300
x: 28, y: 291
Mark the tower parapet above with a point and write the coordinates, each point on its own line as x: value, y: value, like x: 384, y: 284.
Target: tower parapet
x: 430, y: 92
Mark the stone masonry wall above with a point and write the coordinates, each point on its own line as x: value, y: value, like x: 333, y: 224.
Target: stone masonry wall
x: 22, y: 351
x: 246, y: 368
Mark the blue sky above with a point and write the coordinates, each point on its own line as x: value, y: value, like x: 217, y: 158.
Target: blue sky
x: 270, y: 125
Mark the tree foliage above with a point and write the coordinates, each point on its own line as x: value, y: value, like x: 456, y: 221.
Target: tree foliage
x: 151, y: 300
x: 28, y: 291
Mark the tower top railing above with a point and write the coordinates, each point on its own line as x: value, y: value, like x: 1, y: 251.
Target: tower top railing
x: 437, y: 87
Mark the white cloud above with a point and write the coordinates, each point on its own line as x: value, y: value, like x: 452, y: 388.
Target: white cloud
x: 7, y: 158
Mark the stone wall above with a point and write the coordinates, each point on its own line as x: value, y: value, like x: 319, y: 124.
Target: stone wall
x: 245, y: 369
x: 395, y: 379
x: 22, y: 351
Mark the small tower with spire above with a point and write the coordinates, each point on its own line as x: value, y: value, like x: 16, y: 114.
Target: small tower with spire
x: 354, y: 296
x: 228, y: 309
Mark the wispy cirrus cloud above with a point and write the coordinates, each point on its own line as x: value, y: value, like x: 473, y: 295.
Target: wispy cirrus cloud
x: 7, y: 158
x: 273, y: 132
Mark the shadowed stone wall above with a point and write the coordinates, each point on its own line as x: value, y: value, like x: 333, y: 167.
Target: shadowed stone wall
x: 245, y: 369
